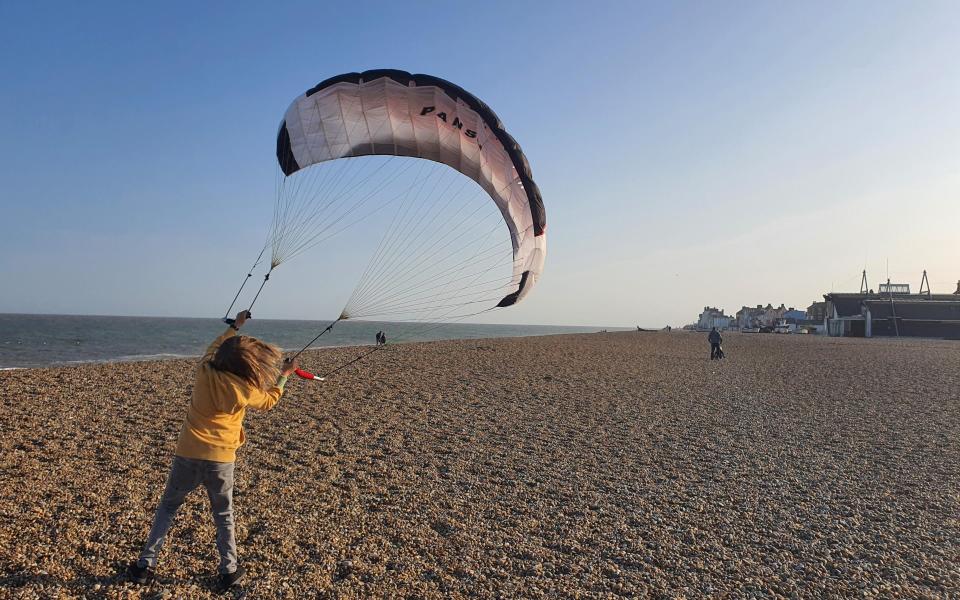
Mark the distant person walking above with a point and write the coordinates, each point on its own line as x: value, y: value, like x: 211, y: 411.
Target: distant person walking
x: 715, y: 339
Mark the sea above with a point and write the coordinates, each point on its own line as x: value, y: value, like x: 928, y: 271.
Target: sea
x: 56, y: 340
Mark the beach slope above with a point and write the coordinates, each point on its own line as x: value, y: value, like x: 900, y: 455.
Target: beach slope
x: 623, y: 464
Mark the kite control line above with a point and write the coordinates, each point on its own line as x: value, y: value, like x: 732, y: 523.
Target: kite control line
x: 226, y: 315
x: 309, y: 375
x: 311, y: 342
x: 266, y: 278
x: 347, y: 364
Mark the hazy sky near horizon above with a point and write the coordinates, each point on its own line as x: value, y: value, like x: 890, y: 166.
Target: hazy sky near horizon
x: 688, y: 153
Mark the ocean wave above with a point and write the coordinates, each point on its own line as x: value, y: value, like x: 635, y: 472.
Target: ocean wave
x: 161, y: 356
x: 129, y: 358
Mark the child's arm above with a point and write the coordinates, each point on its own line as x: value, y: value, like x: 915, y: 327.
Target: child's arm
x: 266, y: 400
x: 231, y: 331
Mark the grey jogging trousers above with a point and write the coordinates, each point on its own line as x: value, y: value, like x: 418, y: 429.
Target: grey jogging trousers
x: 187, y: 474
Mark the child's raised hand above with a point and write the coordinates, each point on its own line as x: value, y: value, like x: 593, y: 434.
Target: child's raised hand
x: 289, y: 366
x: 241, y: 318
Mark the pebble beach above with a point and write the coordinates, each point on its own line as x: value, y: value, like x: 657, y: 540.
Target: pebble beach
x: 601, y: 465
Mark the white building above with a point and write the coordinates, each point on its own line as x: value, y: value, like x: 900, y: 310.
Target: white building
x: 713, y: 317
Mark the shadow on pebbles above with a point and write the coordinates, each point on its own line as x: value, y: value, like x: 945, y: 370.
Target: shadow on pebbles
x: 603, y: 465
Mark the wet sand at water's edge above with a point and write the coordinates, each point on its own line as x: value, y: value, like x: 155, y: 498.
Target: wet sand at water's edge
x: 596, y: 465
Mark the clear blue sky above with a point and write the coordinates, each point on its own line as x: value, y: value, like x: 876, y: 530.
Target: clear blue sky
x: 688, y: 153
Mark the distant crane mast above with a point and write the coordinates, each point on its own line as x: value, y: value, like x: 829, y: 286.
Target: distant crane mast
x: 925, y: 281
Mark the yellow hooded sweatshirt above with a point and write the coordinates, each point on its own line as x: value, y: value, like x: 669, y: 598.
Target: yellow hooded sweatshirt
x: 213, y: 429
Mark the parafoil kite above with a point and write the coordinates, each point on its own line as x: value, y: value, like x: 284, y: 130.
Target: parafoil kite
x: 358, y: 144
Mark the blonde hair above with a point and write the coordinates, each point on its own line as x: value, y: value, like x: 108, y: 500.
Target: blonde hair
x: 249, y: 359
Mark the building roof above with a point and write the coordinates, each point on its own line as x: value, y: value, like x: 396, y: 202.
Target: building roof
x: 915, y: 310
x: 897, y: 297
x: 936, y: 307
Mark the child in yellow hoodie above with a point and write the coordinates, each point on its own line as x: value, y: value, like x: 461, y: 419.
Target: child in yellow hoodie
x: 237, y: 372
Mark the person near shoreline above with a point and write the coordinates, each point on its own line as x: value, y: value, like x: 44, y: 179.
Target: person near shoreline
x: 236, y: 372
x: 715, y: 339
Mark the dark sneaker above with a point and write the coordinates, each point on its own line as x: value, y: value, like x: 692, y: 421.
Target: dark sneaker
x: 138, y: 574
x: 228, y: 580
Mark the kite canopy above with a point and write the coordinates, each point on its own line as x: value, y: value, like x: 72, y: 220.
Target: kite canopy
x: 431, y: 167
x: 394, y: 113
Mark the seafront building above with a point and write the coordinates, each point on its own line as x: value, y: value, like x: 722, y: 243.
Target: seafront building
x: 817, y: 312
x: 893, y: 311
x: 768, y: 317
x: 713, y: 317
